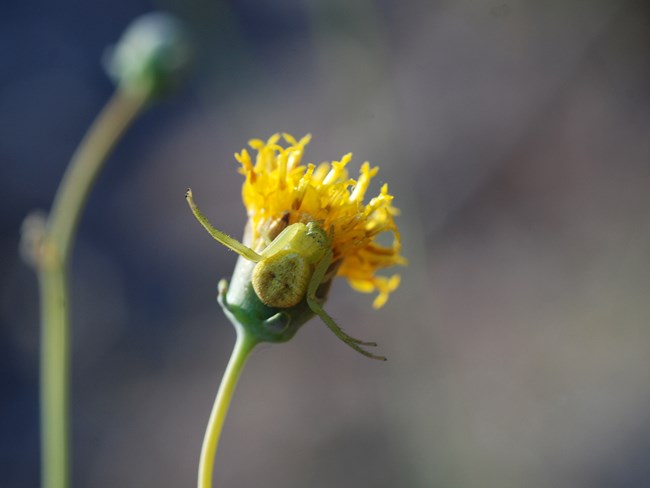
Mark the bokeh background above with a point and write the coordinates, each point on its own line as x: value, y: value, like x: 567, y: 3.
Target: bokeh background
x: 515, y: 136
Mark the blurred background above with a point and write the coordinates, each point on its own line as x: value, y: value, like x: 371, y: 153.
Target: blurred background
x: 515, y: 137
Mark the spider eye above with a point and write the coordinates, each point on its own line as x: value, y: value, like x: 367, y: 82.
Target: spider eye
x: 317, y: 234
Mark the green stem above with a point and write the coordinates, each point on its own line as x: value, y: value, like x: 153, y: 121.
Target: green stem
x: 52, y: 267
x: 86, y: 163
x: 243, y: 347
x: 55, y: 354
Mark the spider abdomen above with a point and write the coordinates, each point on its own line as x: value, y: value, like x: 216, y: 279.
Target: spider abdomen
x: 281, y: 280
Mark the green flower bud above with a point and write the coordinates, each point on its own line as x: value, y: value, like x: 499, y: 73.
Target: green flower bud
x: 152, y: 56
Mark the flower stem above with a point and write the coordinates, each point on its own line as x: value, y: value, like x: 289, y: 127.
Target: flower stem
x: 86, y: 163
x: 52, y: 267
x: 55, y: 385
x: 243, y: 346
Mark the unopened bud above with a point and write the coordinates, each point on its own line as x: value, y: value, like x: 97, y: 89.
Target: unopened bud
x: 152, y: 56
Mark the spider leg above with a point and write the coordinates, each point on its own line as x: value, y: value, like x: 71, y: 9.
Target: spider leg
x: 315, y: 281
x: 219, y: 236
x: 283, y: 238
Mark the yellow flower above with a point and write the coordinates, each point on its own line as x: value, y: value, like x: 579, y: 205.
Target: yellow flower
x: 279, y: 190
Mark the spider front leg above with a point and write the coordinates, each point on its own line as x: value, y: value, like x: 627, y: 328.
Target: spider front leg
x: 283, y: 239
x: 219, y: 236
x: 316, y: 280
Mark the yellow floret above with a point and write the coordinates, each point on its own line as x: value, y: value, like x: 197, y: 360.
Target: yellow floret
x: 279, y: 187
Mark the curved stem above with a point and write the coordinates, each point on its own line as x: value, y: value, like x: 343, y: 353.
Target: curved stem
x: 52, y: 267
x: 243, y: 347
x: 85, y: 165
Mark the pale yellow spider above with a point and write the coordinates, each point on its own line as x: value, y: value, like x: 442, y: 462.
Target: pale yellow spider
x: 289, y: 269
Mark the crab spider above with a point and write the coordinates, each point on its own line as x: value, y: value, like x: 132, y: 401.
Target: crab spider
x: 289, y: 269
